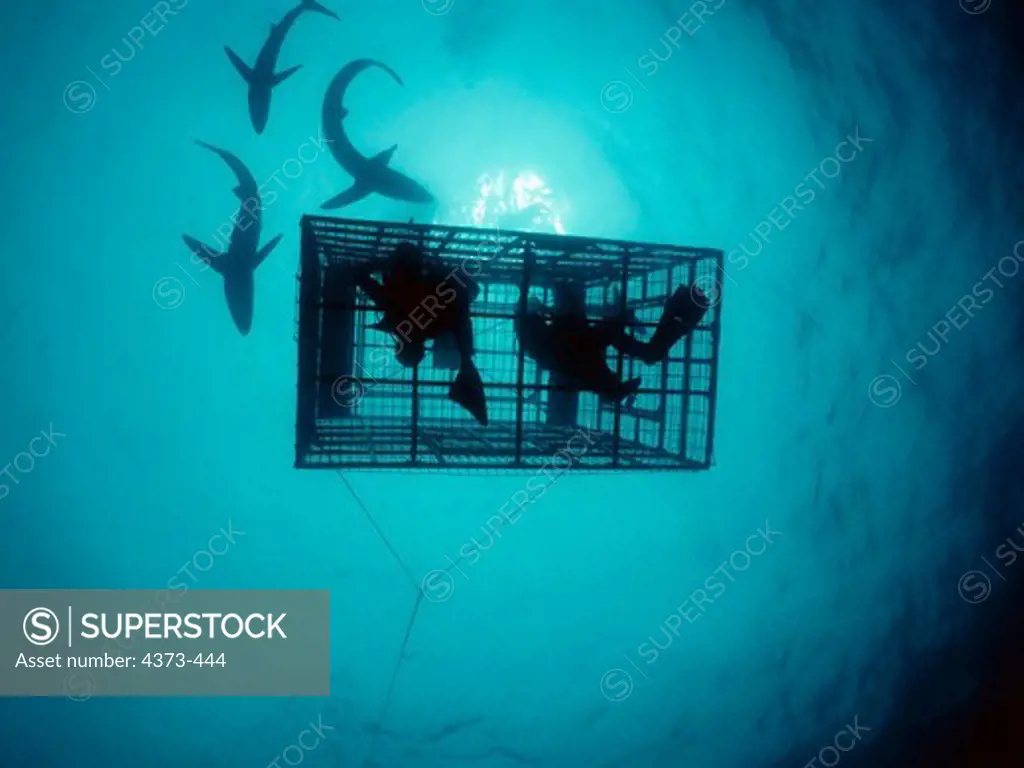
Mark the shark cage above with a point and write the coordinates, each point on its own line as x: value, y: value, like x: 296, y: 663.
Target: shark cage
x: 359, y: 408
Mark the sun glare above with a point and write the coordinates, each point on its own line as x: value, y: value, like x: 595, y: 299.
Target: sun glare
x: 521, y: 201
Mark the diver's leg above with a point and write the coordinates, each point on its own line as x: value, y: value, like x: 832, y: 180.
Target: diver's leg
x: 613, y: 333
x: 463, y: 334
x: 626, y: 344
x: 371, y: 288
x: 683, y: 312
x: 444, y: 354
x: 612, y: 389
x: 628, y: 388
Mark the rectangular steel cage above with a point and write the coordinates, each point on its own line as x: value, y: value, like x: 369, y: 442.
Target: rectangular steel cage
x: 358, y: 408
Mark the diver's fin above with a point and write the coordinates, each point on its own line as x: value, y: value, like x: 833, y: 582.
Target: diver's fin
x: 280, y: 77
x: 263, y: 252
x: 468, y: 391
x: 313, y: 5
x: 353, y: 194
x: 241, y: 66
x: 683, y: 312
x: 383, y: 158
x: 210, y: 255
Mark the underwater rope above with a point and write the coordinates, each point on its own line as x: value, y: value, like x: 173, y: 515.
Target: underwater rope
x: 412, y: 616
x: 484, y: 332
x: 380, y: 533
x: 398, y: 664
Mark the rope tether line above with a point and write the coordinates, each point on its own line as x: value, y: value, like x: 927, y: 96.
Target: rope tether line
x: 412, y: 616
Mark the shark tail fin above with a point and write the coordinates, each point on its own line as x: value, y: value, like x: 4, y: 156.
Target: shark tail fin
x: 241, y: 66
x: 263, y: 252
x: 211, y: 256
x: 353, y: 194
x: 313, y: 5
x: 280, y: 77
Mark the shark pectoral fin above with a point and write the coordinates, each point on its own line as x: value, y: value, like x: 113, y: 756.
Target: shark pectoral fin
x: 353, y: 194
x: 263, y: 252
x: 205, y: 252
x: 280, y: 77
x: 384, y: 157
x: 241, y: 66
x: 312, y: 5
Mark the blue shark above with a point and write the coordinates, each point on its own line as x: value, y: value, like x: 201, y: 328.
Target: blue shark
x: 238, y: 265
x: 371, y: 174
x: 261, y: 77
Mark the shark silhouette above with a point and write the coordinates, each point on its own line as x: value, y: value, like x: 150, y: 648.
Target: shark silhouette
x: 238, y: 265
x: 371, y: 174
x: 261, y: 77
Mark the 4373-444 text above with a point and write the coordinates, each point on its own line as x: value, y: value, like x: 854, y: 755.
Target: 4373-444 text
x: 181, y: 660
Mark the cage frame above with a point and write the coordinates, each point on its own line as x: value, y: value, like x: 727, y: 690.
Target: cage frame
x: 503, y: 250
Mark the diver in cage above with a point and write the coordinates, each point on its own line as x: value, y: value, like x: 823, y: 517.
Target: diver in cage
x: 412, y: 283
x: 572, y: 347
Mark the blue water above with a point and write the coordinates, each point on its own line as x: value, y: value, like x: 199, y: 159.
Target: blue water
x: 747, y: 615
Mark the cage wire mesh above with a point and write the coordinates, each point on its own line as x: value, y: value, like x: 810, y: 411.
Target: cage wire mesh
x: 358, y: 408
